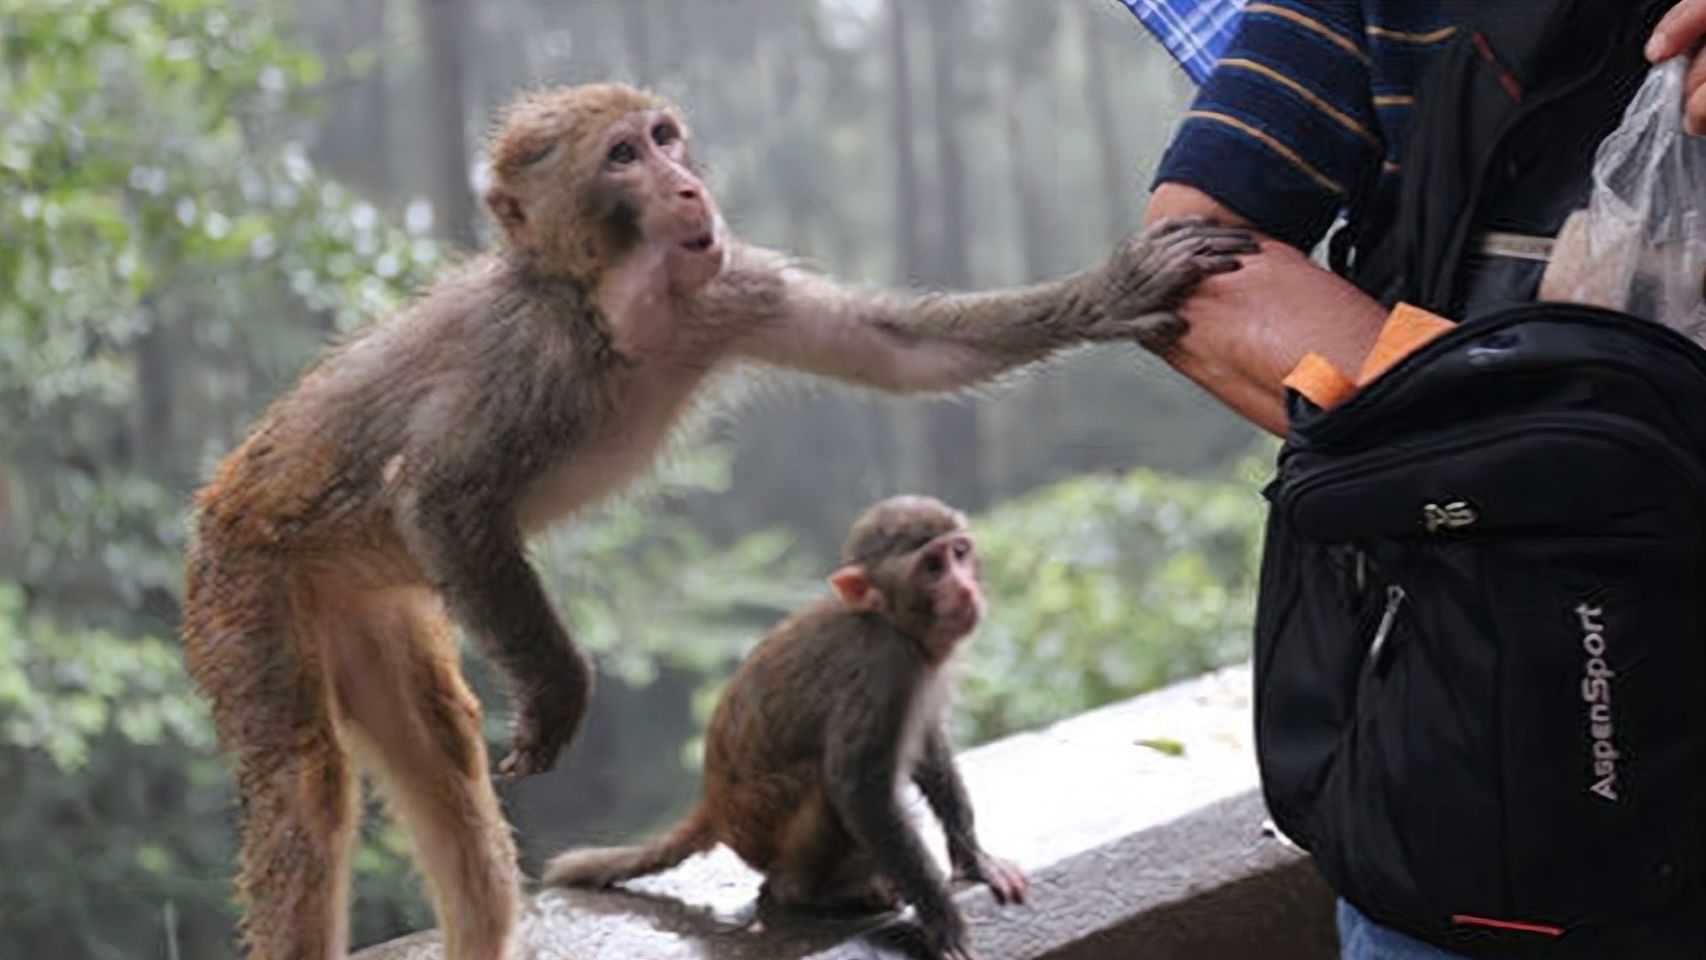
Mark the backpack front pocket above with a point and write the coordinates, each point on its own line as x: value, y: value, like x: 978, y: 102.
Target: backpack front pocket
x: 1524, y: 741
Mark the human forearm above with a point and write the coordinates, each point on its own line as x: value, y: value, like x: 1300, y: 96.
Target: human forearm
x: 1248, y: 329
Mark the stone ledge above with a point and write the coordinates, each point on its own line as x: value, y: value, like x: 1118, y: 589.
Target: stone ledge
x: 1132, y: 852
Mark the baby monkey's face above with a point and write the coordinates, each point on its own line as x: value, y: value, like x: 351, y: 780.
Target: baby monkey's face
x: 912, y: 559
x: 944, y: 576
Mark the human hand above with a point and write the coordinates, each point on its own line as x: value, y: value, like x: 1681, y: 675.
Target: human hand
x: 1680, y: 32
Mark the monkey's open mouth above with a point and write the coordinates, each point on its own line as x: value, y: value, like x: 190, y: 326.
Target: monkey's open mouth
x: 701, y: 243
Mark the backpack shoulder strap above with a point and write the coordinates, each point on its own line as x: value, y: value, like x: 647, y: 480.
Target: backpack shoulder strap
x: 1543, y: 68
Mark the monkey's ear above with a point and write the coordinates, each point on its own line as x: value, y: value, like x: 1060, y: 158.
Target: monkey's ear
x: 855, y: 589
x: 506, y: 206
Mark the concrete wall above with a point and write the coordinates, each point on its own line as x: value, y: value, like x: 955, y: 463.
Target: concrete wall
x: 1133, y: 853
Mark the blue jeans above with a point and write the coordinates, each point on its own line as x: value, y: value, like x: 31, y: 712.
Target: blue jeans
x: 1362, y: 939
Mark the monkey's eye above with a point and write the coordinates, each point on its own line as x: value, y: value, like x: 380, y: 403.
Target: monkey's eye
x: 933, y: 564
x: 962, y: 550
x: 623, y: 153
x: 536, y: 154
x: 665, y: 134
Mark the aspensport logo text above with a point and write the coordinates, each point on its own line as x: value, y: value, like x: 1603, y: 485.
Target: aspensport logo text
x: 1596, y: 692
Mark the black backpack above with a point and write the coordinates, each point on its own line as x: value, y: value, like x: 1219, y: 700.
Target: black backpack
x: 1481, y: 631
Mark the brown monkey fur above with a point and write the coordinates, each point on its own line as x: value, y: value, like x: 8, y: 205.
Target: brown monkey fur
x: 834, y: 709
x: 389, y: 492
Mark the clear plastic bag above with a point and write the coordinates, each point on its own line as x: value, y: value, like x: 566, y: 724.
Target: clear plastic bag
x: 1640, y: 246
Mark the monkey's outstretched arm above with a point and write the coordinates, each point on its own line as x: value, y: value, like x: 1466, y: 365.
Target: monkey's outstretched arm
x: 861, y: 762
x: 464, y: 538
x: 938, y: 778
x: 922, y: 343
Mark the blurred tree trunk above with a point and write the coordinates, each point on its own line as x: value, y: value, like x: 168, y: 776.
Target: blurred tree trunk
x: 910, y: 460
x: 501, y: 35
x: 637, y: 37
x: 154, y: 394
x: 797, y: 160
x: 955, y: 460
x: 375, y: 145
x: 1005, y: 421
x: 908, y: 245
x: 1034, y: 226
x: 10, y: 538
x: 1035, y: 229
x: 950, y: 261
x: 352, y: 140
x: 1117, y: 194
x: 446, y: 25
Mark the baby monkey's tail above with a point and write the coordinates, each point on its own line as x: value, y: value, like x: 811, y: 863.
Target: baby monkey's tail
x: 604, y: 866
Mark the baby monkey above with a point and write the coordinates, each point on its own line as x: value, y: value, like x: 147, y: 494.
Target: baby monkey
x: 833, y: 711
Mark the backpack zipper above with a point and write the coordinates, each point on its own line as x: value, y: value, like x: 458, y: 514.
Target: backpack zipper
x: 1452, y: 265
x: 1394, y: 599
x: 1620, y: 430
x: 1370, y: 666
x: 1318, y: 430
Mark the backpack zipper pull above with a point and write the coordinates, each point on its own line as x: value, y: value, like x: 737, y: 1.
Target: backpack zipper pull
x: 1394, y: 599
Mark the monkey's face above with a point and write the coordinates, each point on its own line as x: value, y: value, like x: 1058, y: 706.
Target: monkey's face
x: 912, y: 560
x: 932, y: 592
x: 656, y: 197
x: 585, y: 178
x: 944, y: 573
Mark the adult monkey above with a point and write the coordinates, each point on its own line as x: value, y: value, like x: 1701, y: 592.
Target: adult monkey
x: 396, y: 482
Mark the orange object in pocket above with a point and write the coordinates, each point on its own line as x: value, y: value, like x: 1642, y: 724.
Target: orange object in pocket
x: 1319, y: 382
x: 1407, y: 330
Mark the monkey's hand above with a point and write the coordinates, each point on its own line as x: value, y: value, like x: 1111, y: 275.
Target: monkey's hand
x: 545, y: 721
x: 1006, y: 880
x: 947, y: 939
x: 1151, y: 273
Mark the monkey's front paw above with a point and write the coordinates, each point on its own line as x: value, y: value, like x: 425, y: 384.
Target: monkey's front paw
x: 951, y: 945
x: 1006, y: 880
x: 541, y: 732
x: 1151, y: 273
x: 1155, y: 332
x: 530, y: 756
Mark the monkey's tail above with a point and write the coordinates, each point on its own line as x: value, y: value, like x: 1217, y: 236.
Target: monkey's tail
x: 604, y: 866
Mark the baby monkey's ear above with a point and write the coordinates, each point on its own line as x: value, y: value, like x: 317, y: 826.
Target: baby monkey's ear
x: 853, y: 585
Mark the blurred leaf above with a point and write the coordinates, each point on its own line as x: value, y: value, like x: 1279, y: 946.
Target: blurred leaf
x: 1168, y: 746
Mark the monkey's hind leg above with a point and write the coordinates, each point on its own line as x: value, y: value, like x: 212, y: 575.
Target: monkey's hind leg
x: 296, y: 791
x: 820, y: 869
x: 416, y: 725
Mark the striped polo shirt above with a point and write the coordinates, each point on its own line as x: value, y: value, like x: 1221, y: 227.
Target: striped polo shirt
x: 1310, y: 103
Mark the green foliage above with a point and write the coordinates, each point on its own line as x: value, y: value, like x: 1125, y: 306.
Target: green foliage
x: 1104, y: 586
x: 151, y: 206
x: 169, y: 255
x: 62, y: 689
x: 645, y: 587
